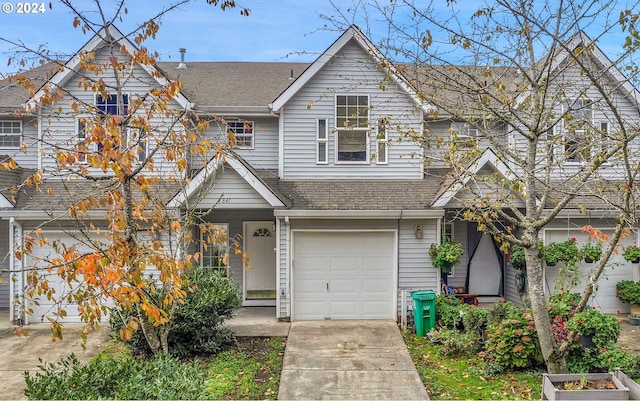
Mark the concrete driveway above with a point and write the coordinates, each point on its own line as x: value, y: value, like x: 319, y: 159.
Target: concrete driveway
x: 348, y: 360
x: 19, y: 354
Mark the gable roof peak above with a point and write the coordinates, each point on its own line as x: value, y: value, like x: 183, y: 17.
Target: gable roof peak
x: 353, y: 32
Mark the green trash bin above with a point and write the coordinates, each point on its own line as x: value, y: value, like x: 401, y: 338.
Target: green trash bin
x: 424, y: 311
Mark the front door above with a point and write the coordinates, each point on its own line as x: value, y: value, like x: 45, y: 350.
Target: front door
x: 260, y: 268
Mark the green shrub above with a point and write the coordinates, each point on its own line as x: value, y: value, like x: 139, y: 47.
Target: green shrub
x: 617, y: 358
x: 161, y: 378
x: 517, y: 257
x: 449, y: 311
x: 196, y: 327
x: 475, y: 319
x: 603, y: 329
x: 454, y: 342
x: 502, y: 310
x: 513, y: 342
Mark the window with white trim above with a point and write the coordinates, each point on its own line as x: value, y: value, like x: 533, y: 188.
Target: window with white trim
x: 577, y: 122
x: 10, y: 134
x: 242, y: 132
x: 382, y: 141
x: 464, y: 130
x: 322, y: 144
x: 137, y: 139
x: 109, y: 105
x: 83, y: 146
x: 352, y: 128
x: 214, y: 247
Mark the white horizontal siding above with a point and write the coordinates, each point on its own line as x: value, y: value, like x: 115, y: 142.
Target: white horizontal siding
x: 28, y: 159
x: 231, y: 191
x: 415, y: 271
x: 349, y: 72
x: 5, y: 258
x: 58, y: 123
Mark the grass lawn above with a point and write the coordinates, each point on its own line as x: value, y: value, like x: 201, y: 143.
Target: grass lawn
x: 467, y: 377
x: 251, y: 371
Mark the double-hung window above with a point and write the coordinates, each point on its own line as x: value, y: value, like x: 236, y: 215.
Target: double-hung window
x: 352, y: 128
x: 108, y: 106
x: 577, y: 122
x: 322, y: 137
x: 10, y: 134
x: 464, y: 130
x: 214, y: 247
x: 138, y: 141
x: 382, y: 141
x: 83, y: 144
x: 242, y: 132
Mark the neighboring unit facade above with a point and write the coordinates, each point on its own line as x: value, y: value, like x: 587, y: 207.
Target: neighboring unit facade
x: 335, y: 213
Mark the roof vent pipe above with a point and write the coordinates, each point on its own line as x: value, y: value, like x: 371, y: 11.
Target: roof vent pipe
x: 182, y: 63
x: 291, y: 76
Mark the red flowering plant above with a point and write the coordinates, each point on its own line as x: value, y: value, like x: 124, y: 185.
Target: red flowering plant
x: 603, y: 329
x: 631, y: 253
x: 628, y: 291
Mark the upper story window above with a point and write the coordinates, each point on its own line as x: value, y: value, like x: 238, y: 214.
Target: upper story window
x: 577, y: 123
x: 352, y: 128
x: 464, y: 130
x: 322, y: 136
x: 382, y: 141
x: 82, y: 143
x: 242, y: 132
x: 10, y: 134
x: 109, y: 104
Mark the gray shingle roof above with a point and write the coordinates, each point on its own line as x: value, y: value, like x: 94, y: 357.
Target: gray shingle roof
x: 357, y: 194
x: 225, y: 84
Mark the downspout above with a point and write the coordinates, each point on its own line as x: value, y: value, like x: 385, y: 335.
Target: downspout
x: 17, y: 275
x: 438, y: 241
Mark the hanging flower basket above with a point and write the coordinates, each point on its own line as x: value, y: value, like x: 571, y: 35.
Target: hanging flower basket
x: 632, y: 254
x: 445, y: 255
x: 591, y: 252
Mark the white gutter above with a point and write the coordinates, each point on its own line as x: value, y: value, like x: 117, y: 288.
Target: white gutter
x: 40, y: 214
x: 360, y: 214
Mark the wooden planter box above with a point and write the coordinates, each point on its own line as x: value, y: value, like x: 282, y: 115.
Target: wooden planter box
x: 551, y: 392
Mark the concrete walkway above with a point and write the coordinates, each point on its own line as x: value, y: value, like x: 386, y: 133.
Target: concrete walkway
x: 338, y: 360
x: 21, y: 353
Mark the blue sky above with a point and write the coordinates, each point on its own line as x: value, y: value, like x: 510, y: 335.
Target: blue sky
x: 275, y: 30
x: 290, y: 30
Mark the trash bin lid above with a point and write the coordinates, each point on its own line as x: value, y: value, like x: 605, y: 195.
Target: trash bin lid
x: 423, y: 295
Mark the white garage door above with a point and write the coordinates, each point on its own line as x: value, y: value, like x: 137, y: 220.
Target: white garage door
x: 39, y: 257
x: 616, y: 270
x: 343, y: 275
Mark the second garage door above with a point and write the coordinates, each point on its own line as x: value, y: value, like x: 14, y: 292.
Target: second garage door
x: 344, y: 275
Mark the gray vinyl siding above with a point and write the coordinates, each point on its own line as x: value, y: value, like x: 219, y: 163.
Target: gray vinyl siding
x: 415, y: 271
x: 231, y: 191
x: 282, y: 268
x: 5, y: 257
x: 264, y: 154
x: 510, y: 292
x: 438, y: 135
x: 30, y: 139
x: 351, y: 72
x: 572, y: 82
x: 58, y: 126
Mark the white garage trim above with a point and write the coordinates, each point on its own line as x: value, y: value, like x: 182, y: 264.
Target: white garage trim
x: 393, y: 296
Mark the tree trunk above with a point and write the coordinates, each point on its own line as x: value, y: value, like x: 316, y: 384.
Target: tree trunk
x: 556, y: 363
